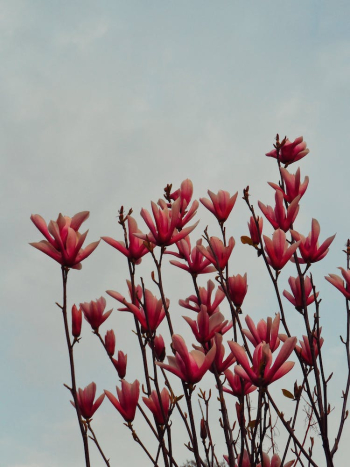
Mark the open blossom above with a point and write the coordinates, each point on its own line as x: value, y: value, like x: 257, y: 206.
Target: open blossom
x: 263, y: 373
x: 278, y: 217
x: 63, y: 241
x: 86, y: 403
x: 254, y: 234
x: 339, y: 283
x: 293, y: 185
x: 128, y: 398
x: 291, y: 151
x: 77, y: 318
x: 150, y: 315
x: 135, y: 249
x: 163, y: 228
x: 205, y: 295
x: 196, y: 262
x: 217, y: 253
x: 304, y: 349
x: 189, y: 366
x: 110, y: 342
x: 185, y: 193
x: 120, y: 364
x: 296, y: 298
x: 266, y: 331
x: 205, y: 327
x: 221, y: 364
x: 220, y: 205
x: 238, y: 387
x: 275, y: 461
x: 237, y: 288
x: 278, y: 250
x: 309, y: 248
x: 159, y: 408
x: 93, y: 312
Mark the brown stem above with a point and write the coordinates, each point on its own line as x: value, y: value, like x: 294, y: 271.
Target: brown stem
x: 94, y: 439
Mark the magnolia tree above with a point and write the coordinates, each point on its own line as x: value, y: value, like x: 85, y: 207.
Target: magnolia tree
x: 244, y: 358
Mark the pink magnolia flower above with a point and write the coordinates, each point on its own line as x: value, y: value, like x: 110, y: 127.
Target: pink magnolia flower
x: 93, y: 312
x: 275, y: 461
x: 189, y: 366
x: 120, y: 364
x: 159, y: 348
x: 221, y: 364
x: 110, y: 342
x: 266, y: 332
x: 163, y: 231
x: 205, y: 295
x: 150, y: 315
x: 262, y: 373
x: 309, y: 249
x: 220, y: 205
x: 205, y: 327
x: 135, y: 249
x: 293, y: 185
x: 185, y: 193
x: 63, y: 241
x: 217, y: 253
x: 86, y: 403
x: 155, y: 406
x: 238, y: 387
x: 254, y: 234
x: 297, y: 299
x: 277, y: 249
x: 77, y: 318
x: 339, y: 283
x: 128, y: 398
x: 278, y: 217
x: 291, y: 152
x: 304, y: 349
x: 196, y: 262
x: 237, y: 288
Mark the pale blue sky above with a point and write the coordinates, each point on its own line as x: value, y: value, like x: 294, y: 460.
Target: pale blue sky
x: 103, y: 104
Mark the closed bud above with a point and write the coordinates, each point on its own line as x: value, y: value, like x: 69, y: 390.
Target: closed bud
x: 203, y: 431
x: 120, y: 364
x: 110, y: 342
x: 77, y: 317
x: 159, y: 348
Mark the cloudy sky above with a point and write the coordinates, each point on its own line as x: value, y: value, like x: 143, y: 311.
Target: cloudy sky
x: 103, y: 104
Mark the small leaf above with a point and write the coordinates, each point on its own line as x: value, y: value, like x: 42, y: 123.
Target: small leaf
x: 246, y: 240
x: 252, y: 424
x: 287, y: 393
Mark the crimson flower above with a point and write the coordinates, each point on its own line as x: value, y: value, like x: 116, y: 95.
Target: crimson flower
x: 293, y: 185
x: 278, y: 217
x: 150, y: 315
x: 128, y: 398
x: 291, y: 152
x: 120, y: 364
x: 77, y: 318
x: 277, y: 249
x: 221, y: 364
x: 135, y: 249
x: 159, y: 348
x: 304, y: 349
x: 63, y: 241
x: 262, y: 373
x: 205, y: 327
x: 339, y: 283
x: 275, y: 461
x: 237, y: 288
x: 297, y: 298
x: 309, y: 249
x: 155, y: 406
x: 196, y: 262
x: 238, y: 387
x: 110, y: 342
x: 254, y: 234
x: 93, y: 312
x: 220, y: 205
x: 266, y: 332
x: 163, y: 228
x: 86, y: 403
x: 205, y: 295
x: 185, y: 193
x: 189, y: 366
x: 217, y: 253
